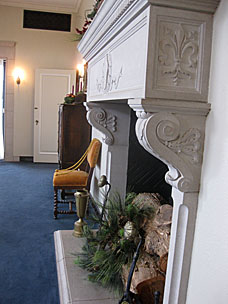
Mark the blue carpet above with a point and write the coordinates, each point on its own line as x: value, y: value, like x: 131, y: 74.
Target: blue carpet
x: 27, y: 255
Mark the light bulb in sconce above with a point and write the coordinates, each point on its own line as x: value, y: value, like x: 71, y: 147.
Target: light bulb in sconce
x: 80, y: 68
x: 80, y: 72
x: 18, y: 80
x: 19, y: 75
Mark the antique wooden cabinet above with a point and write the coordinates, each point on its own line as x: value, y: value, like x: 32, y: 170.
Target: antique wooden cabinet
x: 73, y: 134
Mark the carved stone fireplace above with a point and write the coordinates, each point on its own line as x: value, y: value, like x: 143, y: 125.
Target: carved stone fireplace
x: 153, y: 56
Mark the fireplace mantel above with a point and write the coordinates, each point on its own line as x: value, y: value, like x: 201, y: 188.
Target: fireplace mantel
x: 153, y: 56
x: 169, y: 50
x: 114, y: 15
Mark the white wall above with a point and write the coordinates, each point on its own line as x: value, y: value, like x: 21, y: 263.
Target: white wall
x: 209, y: 269
x: 35, y: 49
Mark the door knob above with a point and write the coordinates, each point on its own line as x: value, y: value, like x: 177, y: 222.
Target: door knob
x: 37, y: 121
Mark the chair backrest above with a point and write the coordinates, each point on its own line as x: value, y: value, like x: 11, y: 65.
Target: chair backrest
x: 92, y: 158
x: 93, y: 153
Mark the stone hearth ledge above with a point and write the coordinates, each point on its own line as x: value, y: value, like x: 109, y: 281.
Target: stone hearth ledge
x: 74, y: 287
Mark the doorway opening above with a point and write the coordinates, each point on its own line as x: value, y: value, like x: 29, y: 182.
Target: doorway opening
x: 2, y: 105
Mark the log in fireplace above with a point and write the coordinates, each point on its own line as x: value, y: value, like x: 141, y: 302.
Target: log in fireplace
x: 153, y: 57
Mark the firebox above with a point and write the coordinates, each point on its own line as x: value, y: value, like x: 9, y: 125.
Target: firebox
x: 145, y: 172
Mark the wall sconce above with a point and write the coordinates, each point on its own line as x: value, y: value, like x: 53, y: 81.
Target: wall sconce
x: 18, y: 75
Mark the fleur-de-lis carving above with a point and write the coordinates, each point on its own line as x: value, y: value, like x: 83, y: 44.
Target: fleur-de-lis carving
x: 178, y: 53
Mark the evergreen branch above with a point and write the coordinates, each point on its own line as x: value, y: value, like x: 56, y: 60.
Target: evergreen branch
x: 106, y: 251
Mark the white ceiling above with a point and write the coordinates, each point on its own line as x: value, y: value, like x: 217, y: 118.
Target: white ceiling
x: 70, y: 6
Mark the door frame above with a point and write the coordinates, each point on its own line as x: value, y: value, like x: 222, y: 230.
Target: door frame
x: 70, y: 75
x: 7, y: 52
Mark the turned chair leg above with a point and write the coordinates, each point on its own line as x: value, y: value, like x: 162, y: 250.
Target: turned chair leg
x: 55, y: 204
x: 63, y: 194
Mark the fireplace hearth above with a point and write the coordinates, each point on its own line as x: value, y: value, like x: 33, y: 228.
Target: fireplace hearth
x: 153, y: 57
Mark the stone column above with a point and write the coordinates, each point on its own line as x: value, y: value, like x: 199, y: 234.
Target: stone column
x: 171, y: 123
x: 111, y: 125
x: 177, y: 138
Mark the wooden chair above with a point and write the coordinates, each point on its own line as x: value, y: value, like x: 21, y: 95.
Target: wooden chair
x: 75, y: 179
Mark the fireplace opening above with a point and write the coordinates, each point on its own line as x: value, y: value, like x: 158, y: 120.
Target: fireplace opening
x: 145, y: 172
x: 146, y: 176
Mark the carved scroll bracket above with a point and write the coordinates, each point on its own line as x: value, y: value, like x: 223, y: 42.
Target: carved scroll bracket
x: 102, y: 121
x: 176, y: 139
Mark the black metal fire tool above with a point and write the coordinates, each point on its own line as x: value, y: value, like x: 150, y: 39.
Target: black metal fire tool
x: 129, y: 296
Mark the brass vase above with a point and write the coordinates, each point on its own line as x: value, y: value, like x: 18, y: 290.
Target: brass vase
x: 81, y: 198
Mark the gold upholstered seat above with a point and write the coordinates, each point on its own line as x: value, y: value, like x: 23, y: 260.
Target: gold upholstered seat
x: 75, y: 179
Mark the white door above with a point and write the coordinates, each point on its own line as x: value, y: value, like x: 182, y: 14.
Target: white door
x: 51, y: 86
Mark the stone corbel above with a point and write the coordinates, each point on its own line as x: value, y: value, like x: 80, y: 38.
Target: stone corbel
x: 102, y: 121
x: 176, y: 139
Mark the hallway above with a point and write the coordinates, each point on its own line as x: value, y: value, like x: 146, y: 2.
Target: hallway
x: 27, y: 255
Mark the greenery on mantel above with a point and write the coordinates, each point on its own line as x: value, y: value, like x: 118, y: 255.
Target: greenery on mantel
x: 114, y: 243
x: 80, y: 32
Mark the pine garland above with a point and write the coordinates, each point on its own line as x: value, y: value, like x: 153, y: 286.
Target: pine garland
x: 88, y: 20
x: 106, y: 251
x: 95, y: 9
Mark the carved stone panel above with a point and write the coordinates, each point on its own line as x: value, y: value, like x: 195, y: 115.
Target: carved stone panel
x: 180, y: 49
x: 179, y: 57
x: 108, y: 81
x: 118, y: 72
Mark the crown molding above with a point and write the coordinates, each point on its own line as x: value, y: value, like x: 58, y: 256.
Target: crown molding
x: 44, y: 7
x: 205, y: 6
